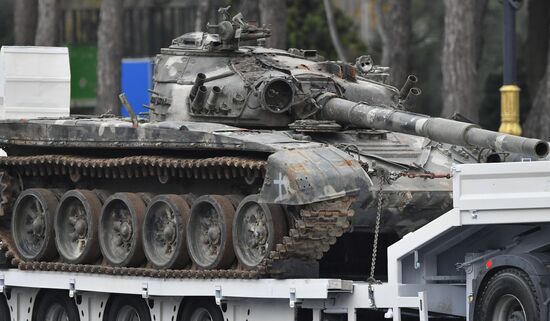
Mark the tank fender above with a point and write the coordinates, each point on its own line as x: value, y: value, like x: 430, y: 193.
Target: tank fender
x: 304, y: 176
x: 536, y: 265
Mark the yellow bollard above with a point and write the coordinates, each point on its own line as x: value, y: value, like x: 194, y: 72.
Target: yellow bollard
x: 509, y: 110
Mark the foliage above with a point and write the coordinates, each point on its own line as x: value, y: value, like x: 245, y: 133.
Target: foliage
x: 307, y: 29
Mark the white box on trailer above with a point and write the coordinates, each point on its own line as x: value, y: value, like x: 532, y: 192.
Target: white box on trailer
x: 34, y: 82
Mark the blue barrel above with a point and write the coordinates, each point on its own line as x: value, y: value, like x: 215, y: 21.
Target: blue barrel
x: 137, y: 78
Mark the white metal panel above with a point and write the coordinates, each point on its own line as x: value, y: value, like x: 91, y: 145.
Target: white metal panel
x: 262, y: 288
x: 34, y: 82
x: 259, y: 310
x: 502, y: 186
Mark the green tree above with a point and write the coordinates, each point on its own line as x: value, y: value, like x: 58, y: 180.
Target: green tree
x: 307, y: 29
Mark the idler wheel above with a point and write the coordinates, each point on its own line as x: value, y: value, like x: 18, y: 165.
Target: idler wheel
x: 120, y: 229
x: 257, y: 228
x: 209, y: 232
x: 76, y: 225
x: 33, y: 224
x: 164, y: 240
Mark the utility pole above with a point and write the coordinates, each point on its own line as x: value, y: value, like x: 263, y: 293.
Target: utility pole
x: 509, y: 92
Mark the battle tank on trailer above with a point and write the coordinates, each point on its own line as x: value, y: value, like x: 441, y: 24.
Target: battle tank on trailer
x: 252, y: 162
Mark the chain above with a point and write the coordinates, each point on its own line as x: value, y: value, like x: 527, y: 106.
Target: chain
x: 385, y: 177
x: 426, y: 175
x: 372, y: 280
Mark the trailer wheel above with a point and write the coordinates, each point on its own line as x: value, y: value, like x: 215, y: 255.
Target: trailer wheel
x: 128, y: 308
x: 200, y: 310
x: 56, y: 306
x: 508, y: 295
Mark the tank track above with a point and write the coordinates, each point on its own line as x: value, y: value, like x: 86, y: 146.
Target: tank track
x: 311, y: 233
x: 6, y: 193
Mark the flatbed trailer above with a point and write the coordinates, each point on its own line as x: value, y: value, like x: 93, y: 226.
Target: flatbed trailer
x: 486, y: 259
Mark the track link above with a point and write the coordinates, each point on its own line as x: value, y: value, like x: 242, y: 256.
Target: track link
x: 313, y: 230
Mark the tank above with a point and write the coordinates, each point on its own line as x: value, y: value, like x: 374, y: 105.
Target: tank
x: 252, y: 162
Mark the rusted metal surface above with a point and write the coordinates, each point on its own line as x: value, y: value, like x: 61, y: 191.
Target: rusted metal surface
x: 439, y: 129
x: 314, y: 227
x: 306, y: 176
x: 7, y: 191
x: 134, y: 166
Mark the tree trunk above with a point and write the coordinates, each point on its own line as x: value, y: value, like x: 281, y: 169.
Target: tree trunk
x: 47, y: 31
x: 395, y: 29
x: 538, y: 32
x: 109, y: 55
x: 461, y: 55
x: 250, y: 10
x: 25, y: 12
x: 538, y: 119
x: 273, y: 14
x: 201, y: 18
x: 333, y: 30
x: 479, y: 19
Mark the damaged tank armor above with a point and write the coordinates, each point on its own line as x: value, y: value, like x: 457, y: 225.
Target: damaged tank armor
x: 252, y: 161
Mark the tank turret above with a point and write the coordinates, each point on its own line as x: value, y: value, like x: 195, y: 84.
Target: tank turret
x: 212, y: 77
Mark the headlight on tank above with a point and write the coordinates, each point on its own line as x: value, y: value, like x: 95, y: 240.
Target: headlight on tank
x: 276, y: 95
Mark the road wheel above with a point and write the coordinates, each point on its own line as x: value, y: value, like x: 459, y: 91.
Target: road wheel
x: 120, y: 230
x: 128, y: 308
x: 33, y: 224
x: 200, y: 310
x: 164, y: 238
x: 508, y: 296
x: 76, y: 224
x: 56, y: 306
x: 209, y: 232
x: 257, y: 228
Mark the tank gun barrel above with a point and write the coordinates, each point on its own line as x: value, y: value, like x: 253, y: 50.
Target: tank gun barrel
x: 439, y: 129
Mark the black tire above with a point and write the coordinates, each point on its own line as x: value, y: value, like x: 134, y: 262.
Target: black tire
x: 217, y: 252
x: 191, y: 308
x: 122, y: 304
x: 4, y: 309
x: 164, y: 240
x: 54, y: 303
x: 120, y: 230
x: 42, y: 203
x: 509, y: 294
x: 71, y: 232
x: 251, y: 248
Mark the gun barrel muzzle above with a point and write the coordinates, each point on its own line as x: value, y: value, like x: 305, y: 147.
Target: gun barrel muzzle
x: 438, y: 129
